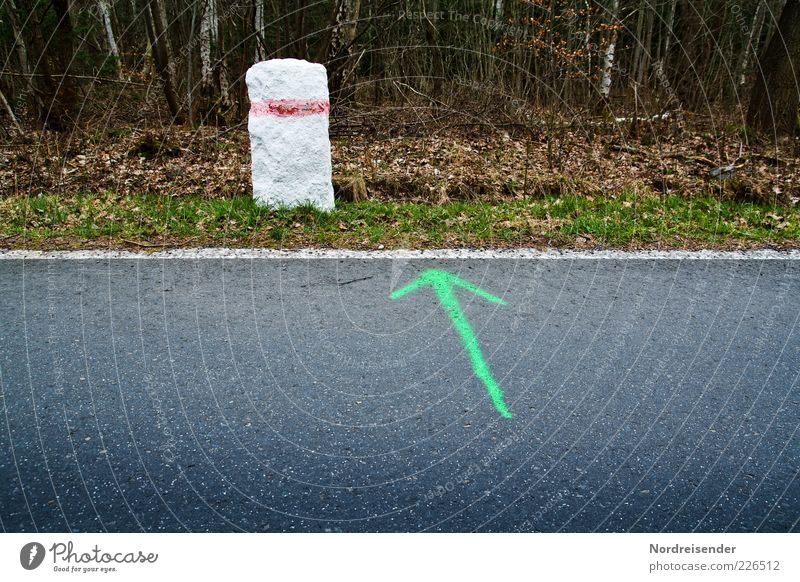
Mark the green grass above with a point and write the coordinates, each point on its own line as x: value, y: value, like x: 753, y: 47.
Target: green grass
x: 628, y: 220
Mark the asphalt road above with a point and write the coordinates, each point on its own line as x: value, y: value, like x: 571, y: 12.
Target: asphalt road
x: 295, y: 395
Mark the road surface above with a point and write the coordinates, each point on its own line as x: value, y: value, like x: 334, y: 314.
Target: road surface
x: 293, y: 394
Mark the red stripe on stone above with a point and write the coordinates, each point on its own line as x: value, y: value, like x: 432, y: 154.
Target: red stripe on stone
x: 290, y: 107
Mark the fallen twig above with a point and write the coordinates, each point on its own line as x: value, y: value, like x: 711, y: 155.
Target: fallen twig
x: 148, y: 245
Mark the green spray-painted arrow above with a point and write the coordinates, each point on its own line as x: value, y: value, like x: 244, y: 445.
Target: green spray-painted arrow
x: 443, y: 283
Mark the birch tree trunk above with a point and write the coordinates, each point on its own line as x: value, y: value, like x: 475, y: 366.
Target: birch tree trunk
x: 220, y: 64
x: 498, y: 9
x: 608, y: 58
x: 105, y: 15
x: 206, y: 28
x: 215, y: 88
x: 258, y: 28
x: 752, y: 42
x: 670, y: 33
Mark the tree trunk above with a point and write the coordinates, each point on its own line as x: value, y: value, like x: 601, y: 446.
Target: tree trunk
x: 498, y: 9
x: 156, y: 30
x: 608, y: 58
x: 54, y: 89
x: 775, y: 97
x: 299, y: 46
x: 669, y: 33
x: 188, y: 50
x: 343, y: 32
x: 644, y: 63
x: 640, y: 48
x: 752, y: 42
x: 105, y: 15
x: 10, y: 112
x: 432, y: 38
x: 220, y: 62
x: 258, y: 29
x: 208, y: 29
x: 247, y: 56
x: 19, y: 40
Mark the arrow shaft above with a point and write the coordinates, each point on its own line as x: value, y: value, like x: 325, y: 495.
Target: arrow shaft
x: 480, y: 367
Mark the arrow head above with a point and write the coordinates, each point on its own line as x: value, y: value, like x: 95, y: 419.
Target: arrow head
x: 444, y: 281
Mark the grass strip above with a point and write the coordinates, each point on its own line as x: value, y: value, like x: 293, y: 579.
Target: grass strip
x: 629, y: 220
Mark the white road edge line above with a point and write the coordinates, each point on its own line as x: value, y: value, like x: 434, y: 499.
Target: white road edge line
x: 521, y: 254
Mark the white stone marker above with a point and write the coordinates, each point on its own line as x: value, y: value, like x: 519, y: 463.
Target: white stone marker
x: 289, y: 144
